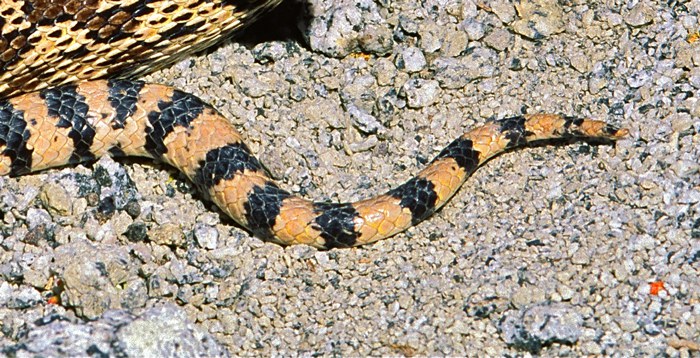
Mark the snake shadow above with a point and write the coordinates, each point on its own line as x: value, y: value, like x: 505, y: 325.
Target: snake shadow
x: 285, y: 23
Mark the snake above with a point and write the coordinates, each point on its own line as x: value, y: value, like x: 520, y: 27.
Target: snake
x: 70, y: 93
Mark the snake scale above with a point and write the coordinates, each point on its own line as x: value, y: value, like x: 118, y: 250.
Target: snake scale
x: 67, y: 96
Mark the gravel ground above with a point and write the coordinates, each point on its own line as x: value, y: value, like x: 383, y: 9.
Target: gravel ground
x: 575, y: 249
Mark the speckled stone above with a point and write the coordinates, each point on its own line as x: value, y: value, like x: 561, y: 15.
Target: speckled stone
x: 421, y: 93
x: 533, y: 328
x: 340, y: 28
x: 56, y: 199
x: 411, y: 59
x: 538, y: 19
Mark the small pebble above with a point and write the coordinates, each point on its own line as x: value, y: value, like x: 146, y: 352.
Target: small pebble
x: 411, y: 60
x: 421, y: 93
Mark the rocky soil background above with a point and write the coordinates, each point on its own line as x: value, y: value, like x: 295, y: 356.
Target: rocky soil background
x: 576, y: 249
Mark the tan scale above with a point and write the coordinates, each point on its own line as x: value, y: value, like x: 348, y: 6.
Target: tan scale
x: 294, y: 224
x: 231, y: 195
x: 487, y: 140
x: 5, y: 162
x: 133, y: 136
x: 381, y: 217
x: 446, y: 176
x: 100, y: 116
x: 50, y: 144
x: 183, y: 152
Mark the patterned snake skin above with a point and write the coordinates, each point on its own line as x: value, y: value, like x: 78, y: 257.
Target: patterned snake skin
x: 51, y: 117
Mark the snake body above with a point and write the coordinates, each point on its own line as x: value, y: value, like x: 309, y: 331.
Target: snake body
x: 51, y: 116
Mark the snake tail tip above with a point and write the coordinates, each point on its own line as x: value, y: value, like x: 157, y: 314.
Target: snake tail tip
x: 602, y: 129
x: 622, y: 132
x: 616, y: 133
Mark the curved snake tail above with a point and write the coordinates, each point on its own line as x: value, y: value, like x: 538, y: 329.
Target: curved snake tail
x: 78, y: 123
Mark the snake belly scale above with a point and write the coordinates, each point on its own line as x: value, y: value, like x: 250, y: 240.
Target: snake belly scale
x: 68, y: 97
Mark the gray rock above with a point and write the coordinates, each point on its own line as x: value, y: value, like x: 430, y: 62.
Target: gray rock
x: 359, y: 91
x: 420, y: 93
x: 136, y: 232
x: 6, y: 292
x: 166, y: 332
x: 249, y: 82
x: 527, y: 296
x: 533, y: 328
x: 272, y: 51
x: 598, y: 79
x: 454, y: 43
x: 134, y: 294
x: 24, y: 298
x: 159, y: 332
x: 22, y: 200
x: 431, y: 37
x: 340, y: 28
x: 639, y: 78
x: 628, y: 323
x: 408, y: 25
x: 499, y: 39
x: 297, y: 93
x: 115, y: 183
x: 55, y: 336
x: 56, y: 199
x: 388, y: 103
x: 469, y: 9
x: 364, y: 121
x: 167, y: 234
x: 93, y: 284
x: 579, y: 62
x: 159, y: 287
x: 454, y: 73
x: 591, y: 348
x: 504, y: 10
x: 475, y: 29
x: 581, y: 257
x: 411, y: 59
x: 384, y: 71
x: 538, y: 19
x: 38, y: 217
x: 639, y: 15
x: 206, y: 235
